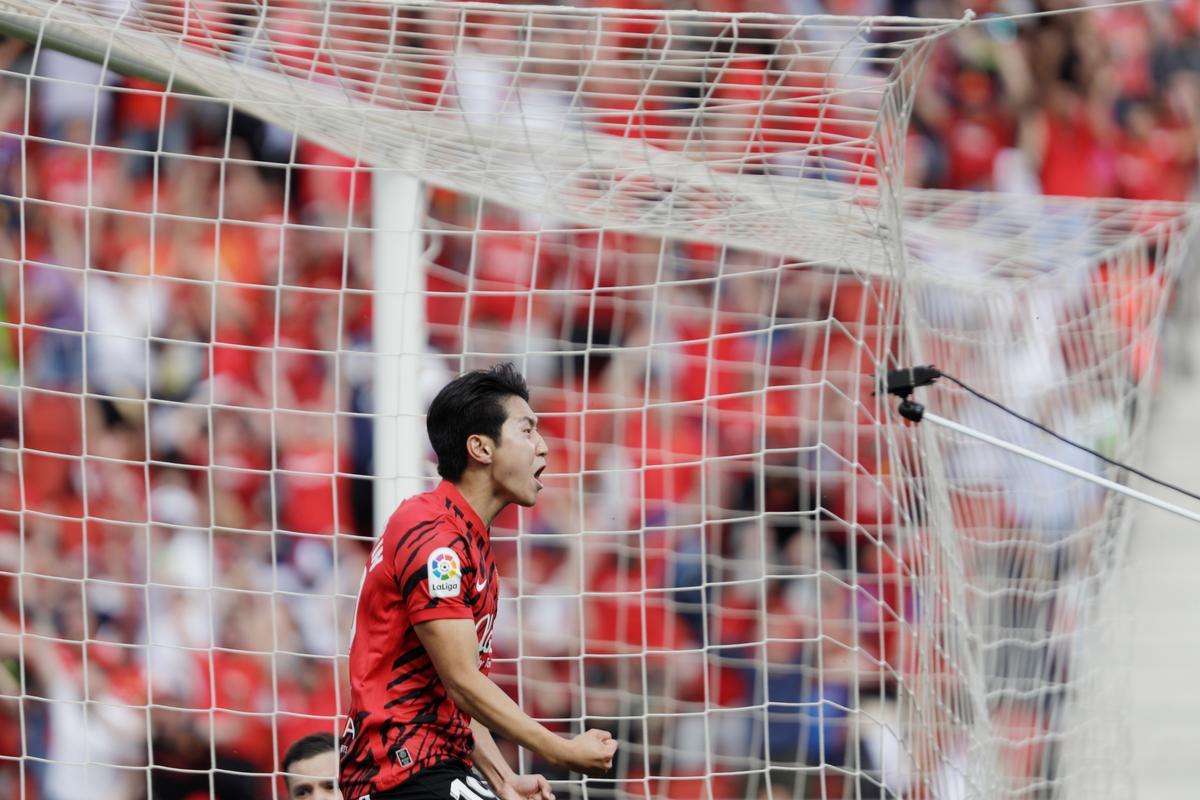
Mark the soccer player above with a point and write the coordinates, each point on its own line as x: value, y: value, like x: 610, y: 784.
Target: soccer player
x: 310, y: 768
x: 422, y: 706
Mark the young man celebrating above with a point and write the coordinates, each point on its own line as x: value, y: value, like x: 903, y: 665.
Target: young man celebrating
x: 422, y: 707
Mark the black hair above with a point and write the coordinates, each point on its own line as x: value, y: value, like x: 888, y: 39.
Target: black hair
x: 312, y: 745
x: 472, y: 403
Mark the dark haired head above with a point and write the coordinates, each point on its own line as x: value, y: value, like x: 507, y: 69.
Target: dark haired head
x: 472, y: 403
x: 312, y: 745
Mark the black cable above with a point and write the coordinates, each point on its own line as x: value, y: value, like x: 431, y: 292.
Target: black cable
x: 1065, y: 440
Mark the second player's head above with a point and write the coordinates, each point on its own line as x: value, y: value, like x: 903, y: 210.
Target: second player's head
x: 481, y: 424
x: 310, y: 768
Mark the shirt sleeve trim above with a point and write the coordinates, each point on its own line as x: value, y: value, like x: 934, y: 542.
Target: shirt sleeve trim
x: 445, y: 611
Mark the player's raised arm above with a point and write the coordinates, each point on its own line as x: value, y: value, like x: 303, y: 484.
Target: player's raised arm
x: 453, y: 648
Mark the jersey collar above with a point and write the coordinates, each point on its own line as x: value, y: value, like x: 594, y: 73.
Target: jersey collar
x: 459, y: 506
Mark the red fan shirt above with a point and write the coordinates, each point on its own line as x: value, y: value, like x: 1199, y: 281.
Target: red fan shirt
x: 434, y: 561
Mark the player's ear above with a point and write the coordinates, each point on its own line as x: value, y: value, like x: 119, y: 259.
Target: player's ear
x: 481, y: 448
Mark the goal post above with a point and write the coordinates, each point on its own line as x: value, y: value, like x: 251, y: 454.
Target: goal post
x: 399, y: 334
x: 231, y: 283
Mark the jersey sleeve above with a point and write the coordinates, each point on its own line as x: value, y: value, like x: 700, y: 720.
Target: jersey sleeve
x: 429, y: 567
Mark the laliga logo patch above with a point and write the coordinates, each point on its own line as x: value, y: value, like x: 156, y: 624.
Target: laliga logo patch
x: 445, y: 573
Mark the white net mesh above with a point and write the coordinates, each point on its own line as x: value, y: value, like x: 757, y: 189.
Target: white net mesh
x: 713, y: 115
x: 1054, y: 307
x: 685, y: 229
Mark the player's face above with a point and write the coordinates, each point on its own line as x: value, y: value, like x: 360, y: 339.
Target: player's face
x: 313, y: 778
x: 520, y: 456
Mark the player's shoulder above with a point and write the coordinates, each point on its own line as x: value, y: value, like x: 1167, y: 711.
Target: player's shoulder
x: 419, y: 511
x: 421, y: 522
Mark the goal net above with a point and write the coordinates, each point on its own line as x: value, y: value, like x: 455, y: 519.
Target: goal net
x: 245, y: 242
x: 1054, y: 307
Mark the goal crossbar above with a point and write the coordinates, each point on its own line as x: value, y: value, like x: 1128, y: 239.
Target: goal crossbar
x: 556, y: 165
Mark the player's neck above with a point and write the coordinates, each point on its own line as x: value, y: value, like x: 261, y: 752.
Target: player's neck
x: 477, y: 490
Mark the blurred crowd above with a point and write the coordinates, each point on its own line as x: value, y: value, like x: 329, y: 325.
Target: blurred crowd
x: 1102, y: 104
x: 185, y: 436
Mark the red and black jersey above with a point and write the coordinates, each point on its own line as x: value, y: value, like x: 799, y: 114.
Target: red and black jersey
x: 434, y: 561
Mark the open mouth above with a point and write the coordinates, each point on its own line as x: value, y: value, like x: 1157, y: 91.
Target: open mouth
x: 537, y: 477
